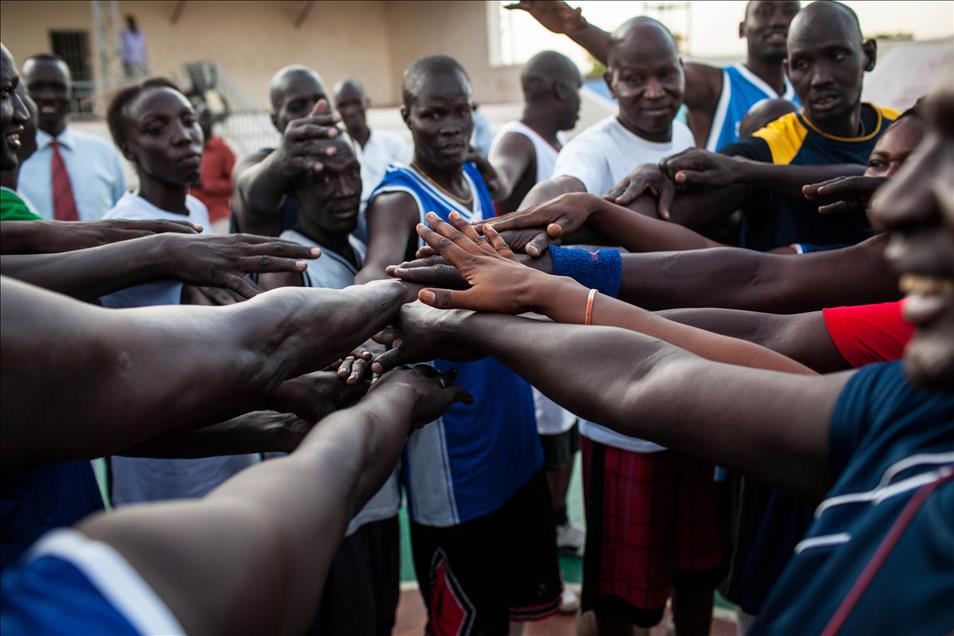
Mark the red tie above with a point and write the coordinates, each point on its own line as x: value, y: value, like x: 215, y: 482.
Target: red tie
x: 64, y: 205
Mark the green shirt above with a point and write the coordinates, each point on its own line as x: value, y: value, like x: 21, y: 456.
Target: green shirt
x: 12, y: 207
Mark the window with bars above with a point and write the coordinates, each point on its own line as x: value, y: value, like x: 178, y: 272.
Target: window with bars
x: 73, y: 46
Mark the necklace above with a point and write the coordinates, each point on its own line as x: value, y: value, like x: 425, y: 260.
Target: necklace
x: 467, y: 202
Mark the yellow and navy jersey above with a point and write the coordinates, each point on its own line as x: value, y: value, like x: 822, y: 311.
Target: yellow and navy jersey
x: 773, y: 220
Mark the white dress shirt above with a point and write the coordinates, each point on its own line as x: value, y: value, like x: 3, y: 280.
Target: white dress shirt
x: 96, y: 174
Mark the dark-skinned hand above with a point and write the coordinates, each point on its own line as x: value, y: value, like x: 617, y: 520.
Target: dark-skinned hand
x: 314, y: 395
x: 423, y: 333
x: 556, y: 217
x: 555, y: 15
x: 843, y: 194
x: 223, y: 261
x: 434, y: 392
x: 699, y: 168
x: 498, y: 283
x: 306, y: 141
x: 647, y: 177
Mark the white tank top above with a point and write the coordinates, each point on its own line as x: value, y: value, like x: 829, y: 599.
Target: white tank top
x: 546, y: 154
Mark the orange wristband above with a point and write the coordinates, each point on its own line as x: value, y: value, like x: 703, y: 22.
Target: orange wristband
x: 588, y: 318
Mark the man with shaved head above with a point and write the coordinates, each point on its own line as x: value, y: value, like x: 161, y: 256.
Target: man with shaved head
x: 301, y: 114
x: 375, y: 149
x: 645, y: 75
x: 524, y: 152
x: 622, y: 583
x: 716, y: 98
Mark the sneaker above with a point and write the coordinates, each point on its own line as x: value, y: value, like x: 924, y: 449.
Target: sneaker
x: 569, y: 601
x: 571, y: 538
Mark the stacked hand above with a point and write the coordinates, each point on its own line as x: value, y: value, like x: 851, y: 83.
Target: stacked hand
x: 542, y: 225
x: 498, y: 283
x: 645, y: 178
x: 843, y: 194
x: 315, y: 395
x: 423, y: 333
x: 433, y: 392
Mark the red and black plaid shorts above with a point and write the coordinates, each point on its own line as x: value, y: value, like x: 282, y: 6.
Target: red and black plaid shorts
x: 649, y: 517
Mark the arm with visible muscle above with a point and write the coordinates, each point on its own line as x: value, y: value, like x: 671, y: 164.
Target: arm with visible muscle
x: 163, y: 368
x: 391, y: 220
x: 258, y: 547
x: 745, y: 279
x: 803, y: 337
x: 511, y: 157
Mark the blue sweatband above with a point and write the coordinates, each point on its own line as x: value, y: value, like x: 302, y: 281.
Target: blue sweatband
x: 599, y: 270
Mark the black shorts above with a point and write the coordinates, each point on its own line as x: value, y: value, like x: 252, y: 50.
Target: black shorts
x: 477, y: 576
x: 558, y: 449
x: 363, y: 585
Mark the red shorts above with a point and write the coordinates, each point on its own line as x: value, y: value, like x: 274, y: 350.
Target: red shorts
x: 650, y: 517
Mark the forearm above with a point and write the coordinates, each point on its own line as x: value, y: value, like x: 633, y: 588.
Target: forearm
x: 744, y: 279
x: 593, y: 39
x: 563, y: 300
x: 91, y: 272
x: 550, y: 189
x: 254, y: 432
x: 789, y: 179
x: 275, y: 527
x: 261, y: 190
x: 700, y: 208
x: 637, y: 232
x: 43, y: 237
x: 214, y: 363
x: 645, y: 388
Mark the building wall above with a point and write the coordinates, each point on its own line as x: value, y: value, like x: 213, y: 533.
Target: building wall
x: 458, y: 29
x: 371, y: 40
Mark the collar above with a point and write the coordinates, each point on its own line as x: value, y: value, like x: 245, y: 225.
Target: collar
x: 65, y: 139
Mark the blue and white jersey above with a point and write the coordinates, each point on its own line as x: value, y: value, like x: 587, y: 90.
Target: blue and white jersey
x: 473, y: 459
x: 741, y: 89
x: 69, y: 584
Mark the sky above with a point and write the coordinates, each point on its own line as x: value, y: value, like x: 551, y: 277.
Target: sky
x: 712, y: 27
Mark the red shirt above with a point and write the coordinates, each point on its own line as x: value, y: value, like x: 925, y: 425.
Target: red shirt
x: 215, y: 188
x: 864, y: 334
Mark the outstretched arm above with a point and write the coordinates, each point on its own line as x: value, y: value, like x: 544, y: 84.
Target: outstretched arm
x: 510, y: 158
x: 771, y: 425
x: 47, y: 237
x: 259, y: 547
x: 199, y: 260
x: 162, y: 368
x: 803, y: 337
x: 559, y: 17
x: 744, y: 279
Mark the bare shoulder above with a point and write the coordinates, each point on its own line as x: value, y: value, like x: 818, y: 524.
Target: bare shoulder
x: 703, y: 85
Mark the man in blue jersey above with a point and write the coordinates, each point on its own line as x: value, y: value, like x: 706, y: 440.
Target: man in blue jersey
x: 482, y: 531
x: 716, y: 98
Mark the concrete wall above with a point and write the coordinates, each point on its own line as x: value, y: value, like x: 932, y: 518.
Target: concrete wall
x: 370, y: 40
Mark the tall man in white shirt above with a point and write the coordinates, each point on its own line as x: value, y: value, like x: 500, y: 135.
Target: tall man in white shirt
x: 645, y: 75
x: 72, y: 176
x: 652, y: 528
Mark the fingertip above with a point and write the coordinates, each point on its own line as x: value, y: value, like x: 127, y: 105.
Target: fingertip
x: 455, y: 216
x: 533, y: 250
x: 318, y: 167
x: 427, y: 296
x: 300, y: 265
x: 198, y: 227
x: 315, y: 252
